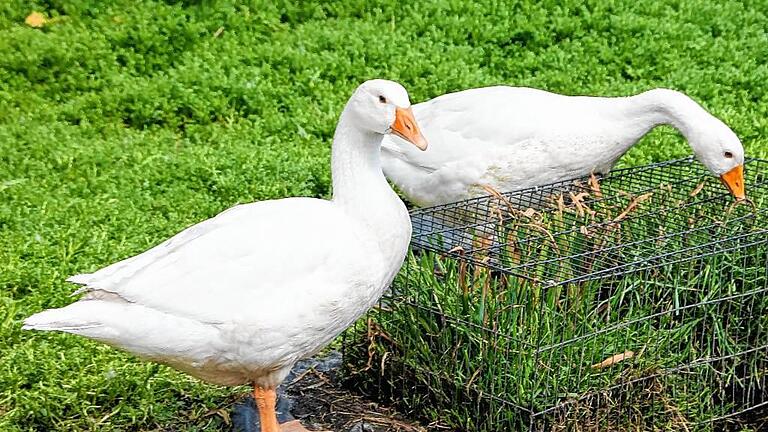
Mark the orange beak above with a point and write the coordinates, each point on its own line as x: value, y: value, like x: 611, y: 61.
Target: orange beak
x: 734, y: 181
x: 406, y: 128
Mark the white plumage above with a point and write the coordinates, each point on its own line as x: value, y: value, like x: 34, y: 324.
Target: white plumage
x: 511, y: 138
x: 257, y: 287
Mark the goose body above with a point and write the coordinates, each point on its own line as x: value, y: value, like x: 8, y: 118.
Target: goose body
x: 511, y: 138
x: 241, y: 297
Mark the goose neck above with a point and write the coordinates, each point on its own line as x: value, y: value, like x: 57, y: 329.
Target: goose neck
x: 670, y: 107
x: 361, y: 191
x: 355, y: 163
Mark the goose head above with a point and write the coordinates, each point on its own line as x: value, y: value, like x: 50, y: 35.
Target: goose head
x: 719, y: 149
x: 383, y: 107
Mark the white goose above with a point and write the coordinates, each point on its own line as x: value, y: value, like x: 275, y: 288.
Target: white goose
x: 511, y: 138
x: 241, y: 297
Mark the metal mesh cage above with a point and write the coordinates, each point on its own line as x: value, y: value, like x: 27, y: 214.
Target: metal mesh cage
x: 630, y: 302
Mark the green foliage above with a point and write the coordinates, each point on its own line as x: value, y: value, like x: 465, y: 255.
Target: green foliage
x: 122, y: 122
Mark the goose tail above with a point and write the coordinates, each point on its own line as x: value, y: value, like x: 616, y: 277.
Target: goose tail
x: 71, y: 319
x: 143, y: 331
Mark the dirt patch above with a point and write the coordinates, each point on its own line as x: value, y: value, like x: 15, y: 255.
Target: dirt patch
x: 313, y: 395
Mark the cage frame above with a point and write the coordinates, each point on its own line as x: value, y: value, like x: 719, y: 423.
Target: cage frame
x: 427, y: 227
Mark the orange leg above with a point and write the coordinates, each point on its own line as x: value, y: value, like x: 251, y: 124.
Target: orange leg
x: 265, y: 402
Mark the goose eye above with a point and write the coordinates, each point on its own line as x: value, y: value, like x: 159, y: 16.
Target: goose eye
x: 382, y: 99
x: 728, y: 154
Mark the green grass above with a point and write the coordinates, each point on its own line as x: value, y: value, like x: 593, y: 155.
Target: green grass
x: 123, y: 122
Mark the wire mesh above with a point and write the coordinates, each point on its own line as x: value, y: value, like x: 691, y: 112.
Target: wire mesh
x: 630, y: 302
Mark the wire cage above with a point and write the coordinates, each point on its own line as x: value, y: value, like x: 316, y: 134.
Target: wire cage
x: 636, y: 301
